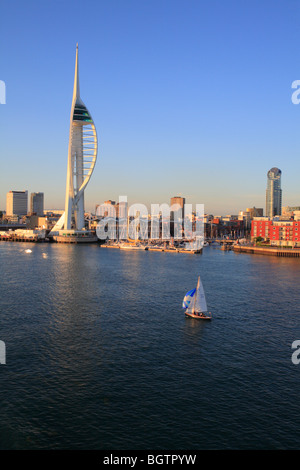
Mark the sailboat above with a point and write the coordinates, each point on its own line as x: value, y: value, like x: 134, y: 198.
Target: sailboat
x: 195, y: 303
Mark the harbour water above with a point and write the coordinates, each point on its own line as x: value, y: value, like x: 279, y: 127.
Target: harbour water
x: 99, y: 354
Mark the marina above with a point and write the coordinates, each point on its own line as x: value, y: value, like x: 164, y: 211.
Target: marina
x: 149, y: 248
x: 28, y: 236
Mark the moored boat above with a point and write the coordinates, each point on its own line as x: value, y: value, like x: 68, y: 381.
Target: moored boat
x: 132, y: 246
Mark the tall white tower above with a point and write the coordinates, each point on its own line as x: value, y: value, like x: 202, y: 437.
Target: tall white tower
x: 82, y: 156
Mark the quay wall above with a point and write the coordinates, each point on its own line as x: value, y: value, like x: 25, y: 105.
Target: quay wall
x: 272, y: 251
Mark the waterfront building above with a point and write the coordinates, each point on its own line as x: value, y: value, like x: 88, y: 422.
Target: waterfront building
x: 273, y: 193
x: 16, y: 203
x: 107, y: 209
x: 54, y: 212
x: 255, y: 212
x: 228, y: 218
x: 296, y: 215
x: 288, y: 211
x: 82, y: 156
x: 42, y: 223
x: 179, y: 202
x: 177, y: 215
x: 276, y: 232
x: 224, y: 227
x: 245, y: 216
x: 207, y: 218
x: 37, y: 204
x: 122, y: 210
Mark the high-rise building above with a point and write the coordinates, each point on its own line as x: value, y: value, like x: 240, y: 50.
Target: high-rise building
x: 273, y: 193
x: 177, y: 203
x: 16, y: 203
x: 37, y: 204
x: 177, y: 216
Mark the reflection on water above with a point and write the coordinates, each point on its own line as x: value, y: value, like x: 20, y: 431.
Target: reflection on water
x: 194, y: 330
x: 97, y: 343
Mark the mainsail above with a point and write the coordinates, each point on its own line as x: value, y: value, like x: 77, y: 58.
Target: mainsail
x: 200, y: 300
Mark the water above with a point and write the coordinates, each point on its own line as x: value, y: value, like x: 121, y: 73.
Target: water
x: 101, y: 356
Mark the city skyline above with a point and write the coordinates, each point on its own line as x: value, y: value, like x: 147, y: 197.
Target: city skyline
x: 176, y: 114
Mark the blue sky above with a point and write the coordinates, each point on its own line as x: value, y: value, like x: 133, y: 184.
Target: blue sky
x: 188, y: 97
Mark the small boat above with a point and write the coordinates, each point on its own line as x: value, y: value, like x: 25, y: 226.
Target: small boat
x: 132, y: 246
x: 195, y: 303
x: 28, y: 251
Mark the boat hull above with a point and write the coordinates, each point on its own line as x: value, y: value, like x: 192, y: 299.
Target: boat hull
x: 198, y: 317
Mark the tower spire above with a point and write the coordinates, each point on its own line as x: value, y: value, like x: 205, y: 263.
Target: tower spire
x: 76, y: 89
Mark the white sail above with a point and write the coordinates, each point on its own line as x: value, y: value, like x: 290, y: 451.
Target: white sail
x: 200, y: 300
x: 190, y: 308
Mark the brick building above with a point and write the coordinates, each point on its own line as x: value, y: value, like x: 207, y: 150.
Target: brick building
x: 277, y: 232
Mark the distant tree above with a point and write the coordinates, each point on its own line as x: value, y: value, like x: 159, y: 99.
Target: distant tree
x: 258, y: 240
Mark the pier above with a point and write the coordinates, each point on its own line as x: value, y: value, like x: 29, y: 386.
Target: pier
x: 76, y: 238
x: 14, y: 237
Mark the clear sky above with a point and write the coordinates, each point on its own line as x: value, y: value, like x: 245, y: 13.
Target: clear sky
x: 189, y: 97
